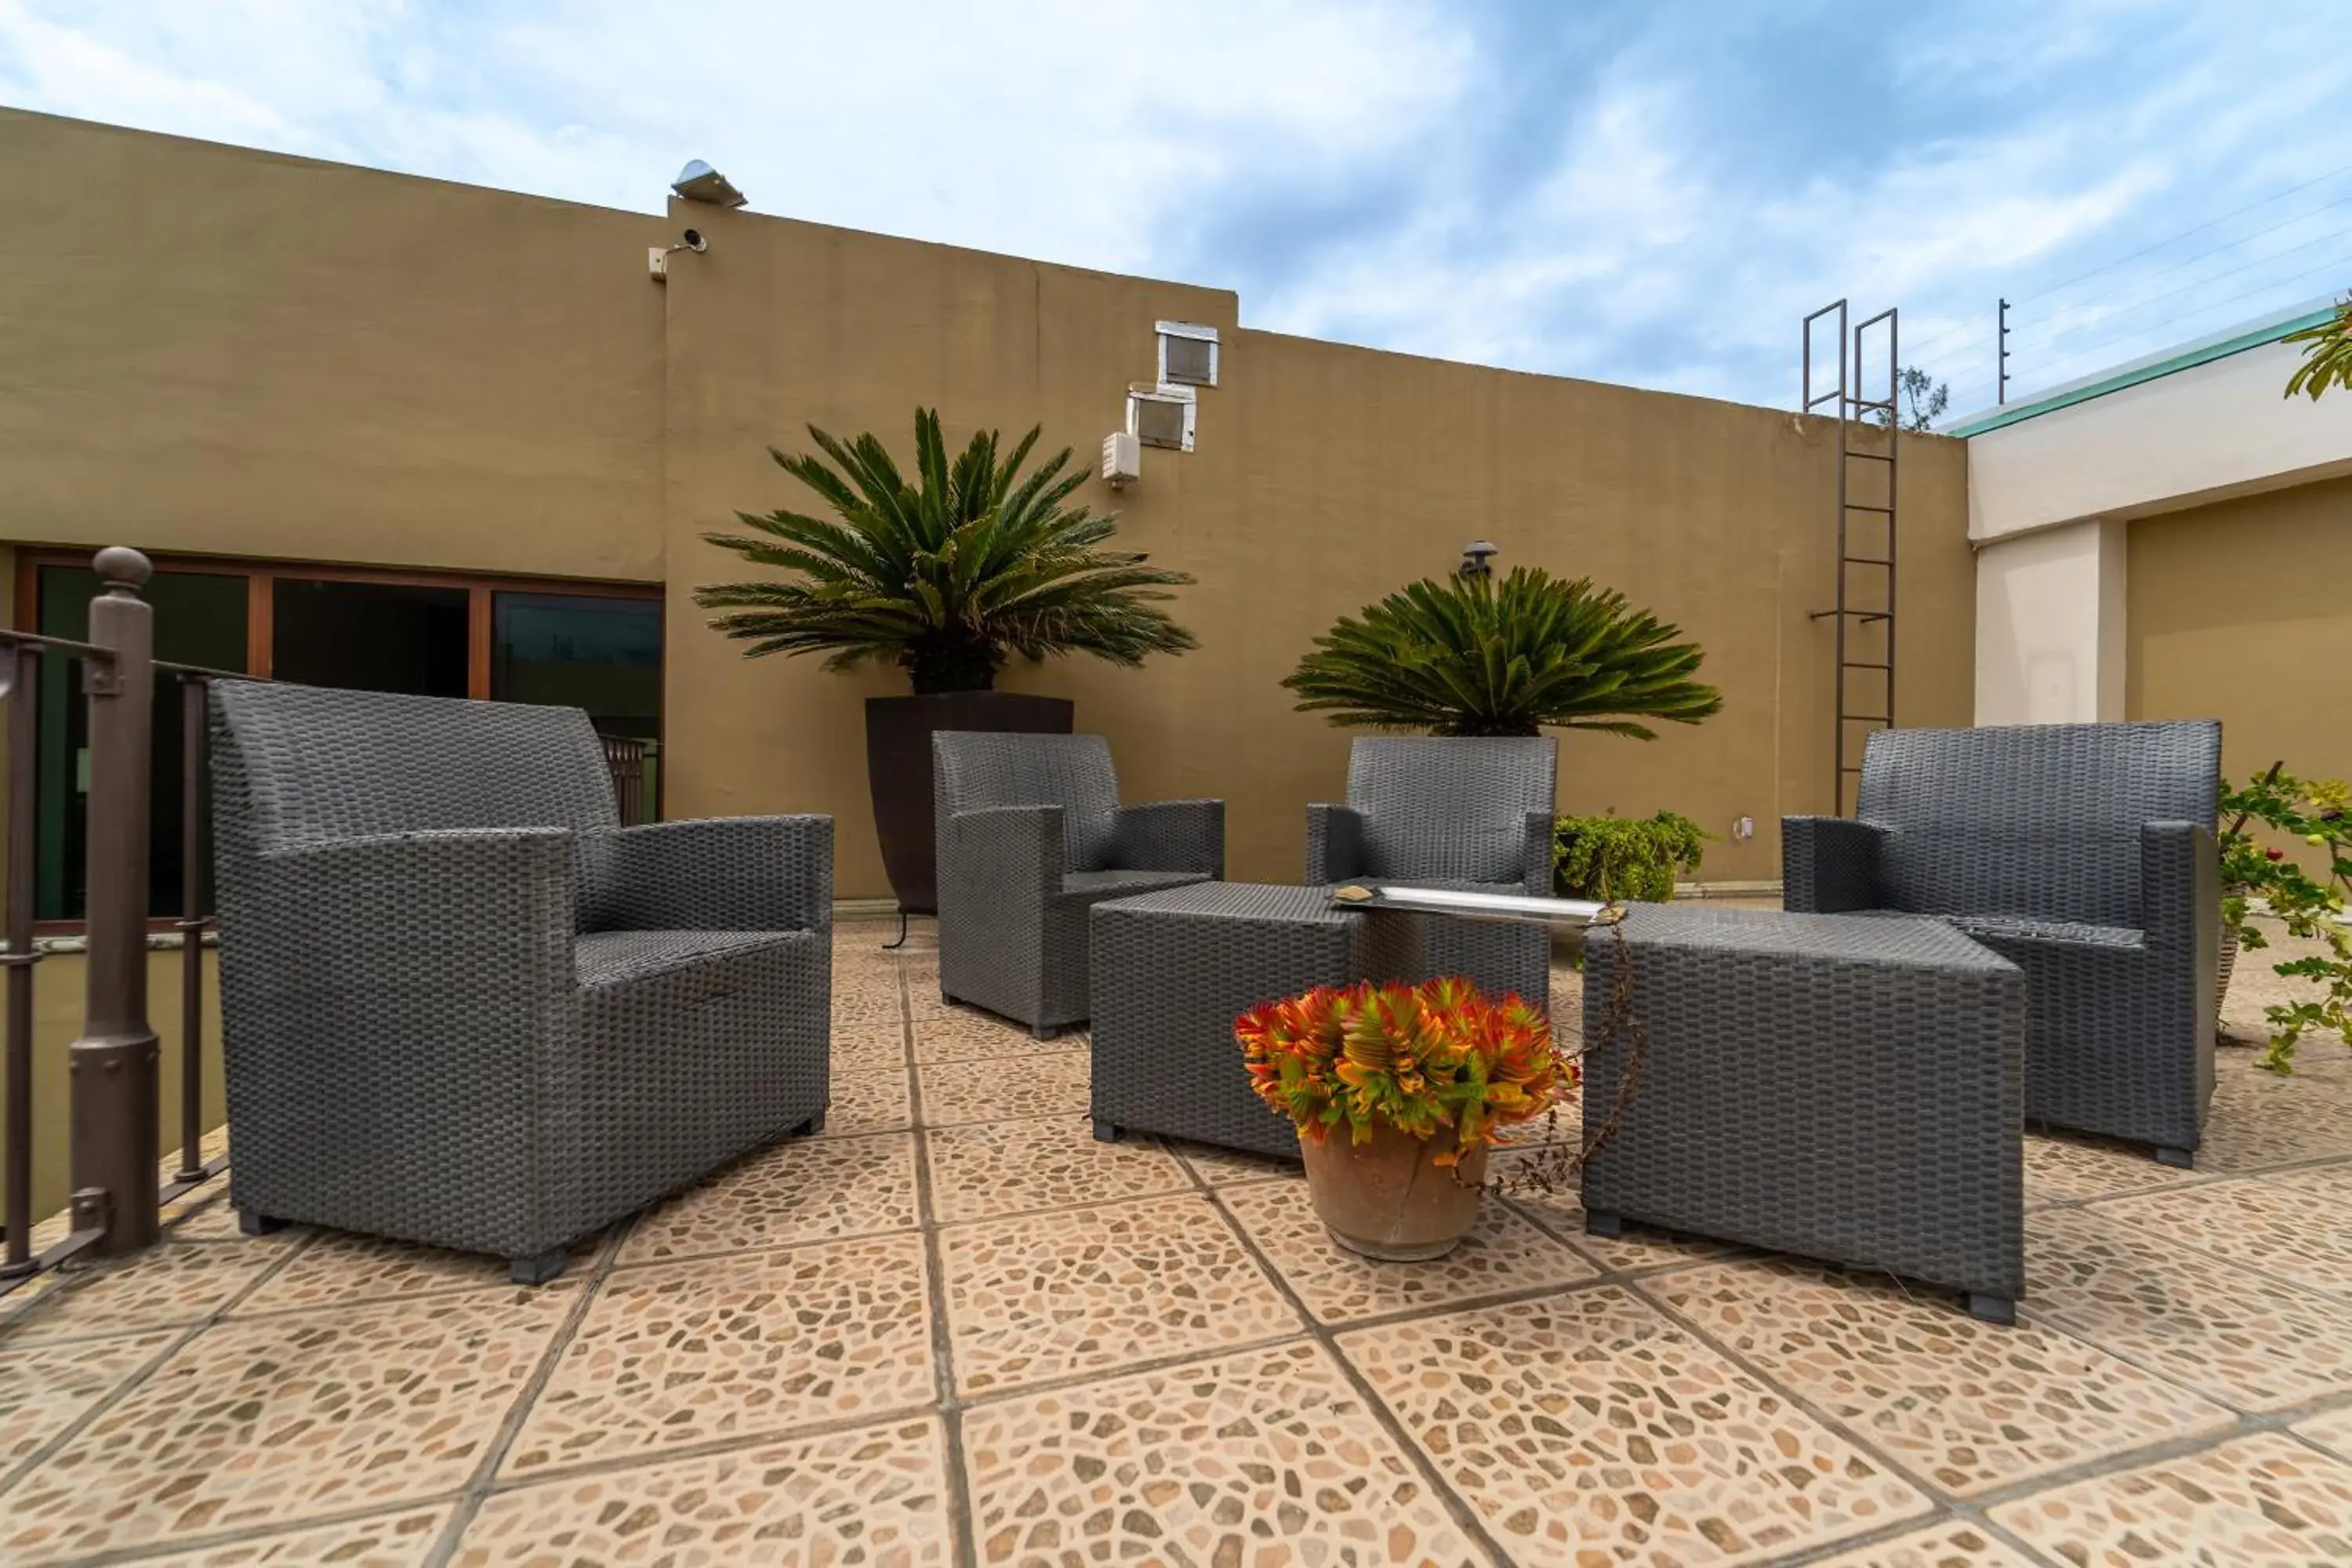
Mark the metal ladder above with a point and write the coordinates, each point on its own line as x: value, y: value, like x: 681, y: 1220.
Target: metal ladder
x: 1864, y: 611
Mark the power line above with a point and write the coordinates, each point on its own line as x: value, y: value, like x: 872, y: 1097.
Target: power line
x: 2184, y: 234
x: 2058, y: 332
x: 2087, y: 349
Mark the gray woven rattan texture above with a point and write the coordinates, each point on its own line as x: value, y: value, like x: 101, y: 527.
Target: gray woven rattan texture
x: 1841, y: 1089
x: 461, y: 1006
x: 2085, y: 853
x: 1451, y: 813
x: 1031, y: 837
x: 1172, y: 971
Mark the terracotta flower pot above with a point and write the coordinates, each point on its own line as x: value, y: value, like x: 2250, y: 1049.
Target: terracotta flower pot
x: 1386, y: 1198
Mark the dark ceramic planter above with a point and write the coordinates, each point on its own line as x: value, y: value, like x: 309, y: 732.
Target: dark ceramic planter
x: 898, y: 732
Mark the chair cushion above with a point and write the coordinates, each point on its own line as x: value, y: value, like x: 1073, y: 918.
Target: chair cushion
x: 625, y: 957
x: 1124, y: 884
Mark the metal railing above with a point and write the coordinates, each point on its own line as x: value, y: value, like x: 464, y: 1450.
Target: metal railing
x: 112, y: 1065
x: 630, y: 762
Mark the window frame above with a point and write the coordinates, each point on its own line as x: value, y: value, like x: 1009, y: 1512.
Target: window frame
x: 261, y: 574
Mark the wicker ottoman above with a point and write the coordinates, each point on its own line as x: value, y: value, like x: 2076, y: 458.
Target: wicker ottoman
x: 1172, y: 969
x: 1844, y: 1088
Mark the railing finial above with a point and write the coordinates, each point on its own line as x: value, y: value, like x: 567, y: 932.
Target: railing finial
x: 122, y: 569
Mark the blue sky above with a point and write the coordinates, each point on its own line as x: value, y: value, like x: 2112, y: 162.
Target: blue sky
x: 1644, y: 193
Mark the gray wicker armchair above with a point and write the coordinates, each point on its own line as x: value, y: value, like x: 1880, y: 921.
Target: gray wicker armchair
x: 460, y: 1005
x: 2084, y: 854
x: 1448, y: 812
x: 1031, y: 838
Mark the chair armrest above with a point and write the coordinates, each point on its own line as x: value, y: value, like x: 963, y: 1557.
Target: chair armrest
x: 1829, y: 864
x: 421, y: 923
x: 2180, y: 890
x: 999, y: 853
x: 1536, y: 860
x: 732, y: 873
x: 1335, y: 844
x: 1170, y: 835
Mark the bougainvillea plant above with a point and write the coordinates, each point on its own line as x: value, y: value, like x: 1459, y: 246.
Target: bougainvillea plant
x: 2320, y: 813
x: 1416, y: 1058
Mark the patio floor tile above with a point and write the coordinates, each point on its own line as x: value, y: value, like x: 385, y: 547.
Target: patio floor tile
x: 1505, y: 1253
x: 47, y: 1388
x: 1263, y: 1456
x: 2261, y: 1120
x: 1586, y: 1427
x: 278, y: 1420
x: 336, y: 1267
x: 2231, y: 1334
x: 681, y: 1354
x: 2296, y: 1225
x: 1968, y: 1405
x: 176, y: 1282
x: 402, y: 1540
x: 2265, y: 1501
x: 1224, y: 1167
x: 874, y: 1495
x: 1640, y: 1247
x: 867, y: 1047
x: 962, y: 1034
x: 807, y: 1189
x: 1049, y: 1295
x: 2063, y: 1169
x: 1052, y: 1083
x: 2332, y: 1431
x: 984, y: 1169
x: 868, y: 1100
x: 1947, y: 1545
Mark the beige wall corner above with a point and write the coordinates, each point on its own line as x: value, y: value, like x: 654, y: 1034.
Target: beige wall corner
x: 2050, y: 613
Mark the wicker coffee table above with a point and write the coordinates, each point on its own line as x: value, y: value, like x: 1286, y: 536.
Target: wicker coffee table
x: 1172, y: 969
x: 1846, y: 1087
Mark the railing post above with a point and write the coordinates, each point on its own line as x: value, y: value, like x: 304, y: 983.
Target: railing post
x: 16, y: 1140
x: 113, y: 1064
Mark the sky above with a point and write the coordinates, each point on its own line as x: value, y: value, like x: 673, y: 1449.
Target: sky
x: 1651, y: 193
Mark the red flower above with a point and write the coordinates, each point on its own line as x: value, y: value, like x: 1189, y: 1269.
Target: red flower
x: 2275, y: 854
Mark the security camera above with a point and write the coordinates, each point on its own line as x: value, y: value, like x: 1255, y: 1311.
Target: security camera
x: 699, y: 182
x: 693, y: 240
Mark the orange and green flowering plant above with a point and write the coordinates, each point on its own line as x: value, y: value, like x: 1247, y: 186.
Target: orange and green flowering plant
x: 1417, y: 1057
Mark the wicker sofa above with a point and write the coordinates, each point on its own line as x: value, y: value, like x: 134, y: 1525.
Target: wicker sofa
x: 2084, y: 854
x: 1031, y: 837
x: 1473, y: 812
x: 461, y: 1005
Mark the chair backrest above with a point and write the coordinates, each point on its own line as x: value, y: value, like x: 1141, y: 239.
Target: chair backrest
x: 973, y: 770
x: 2038, y: 820
x: 300, y: 764
x: 1451, y: 807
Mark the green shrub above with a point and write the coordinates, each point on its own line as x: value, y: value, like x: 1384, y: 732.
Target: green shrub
x: 1610, y: 858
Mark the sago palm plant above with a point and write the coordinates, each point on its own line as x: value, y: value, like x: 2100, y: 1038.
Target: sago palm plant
x: 2328, y: 361
x: 1470, y: 656
x: 945, y: 572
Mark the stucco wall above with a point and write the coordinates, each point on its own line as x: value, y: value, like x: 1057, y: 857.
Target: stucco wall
x: 204, y: 348
x: 210, y: 350
x: 1323, y: 477
x: 2238, y: 611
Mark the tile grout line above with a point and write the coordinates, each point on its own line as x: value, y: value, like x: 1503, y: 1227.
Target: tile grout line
x: 138, y: 1379
x: 478, y: 1487
x: 1465, y: 1516
x: 964, y: 1531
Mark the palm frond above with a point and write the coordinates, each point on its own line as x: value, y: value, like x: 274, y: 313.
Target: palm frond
x: 945, y: 573
x: 1472, y: 657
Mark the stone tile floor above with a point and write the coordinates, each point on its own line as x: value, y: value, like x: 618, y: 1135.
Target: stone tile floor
x: 955, y: 1329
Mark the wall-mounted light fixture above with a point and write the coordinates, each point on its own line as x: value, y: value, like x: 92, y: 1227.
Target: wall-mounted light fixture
x: 699, y: 182
x: 1475, y: 558
x: 1188, y: 353
x: 657, y: 256
x: 1161, y: 415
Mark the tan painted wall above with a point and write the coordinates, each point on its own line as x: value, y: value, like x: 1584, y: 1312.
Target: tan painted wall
x: 2238, y: 611
x: 1325, y: 476
x: 236, y: 353
x: 204, y: 348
